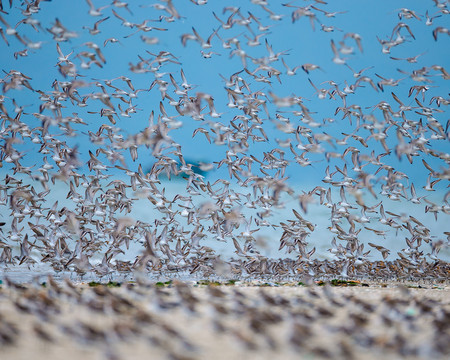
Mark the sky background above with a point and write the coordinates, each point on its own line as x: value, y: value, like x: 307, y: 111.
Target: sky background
x: 300, y: 42
x: 297, y: 42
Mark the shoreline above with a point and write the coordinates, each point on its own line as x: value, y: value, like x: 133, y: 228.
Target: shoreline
x: 244, y: 270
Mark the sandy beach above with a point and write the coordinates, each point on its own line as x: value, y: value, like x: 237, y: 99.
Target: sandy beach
x: 207, y: 320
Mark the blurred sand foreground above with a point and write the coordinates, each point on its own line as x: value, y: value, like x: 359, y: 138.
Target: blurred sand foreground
x: 194, y: 321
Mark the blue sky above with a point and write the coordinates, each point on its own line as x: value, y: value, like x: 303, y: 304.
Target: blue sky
x: 301, y: 44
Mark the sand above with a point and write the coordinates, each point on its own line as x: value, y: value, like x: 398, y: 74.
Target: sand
x: 188, y: 320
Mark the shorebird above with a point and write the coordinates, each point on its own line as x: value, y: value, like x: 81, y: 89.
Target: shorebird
x: 93, y: 11
x: 309, y: 67
x: 440, y: 30
x: 95, y: 30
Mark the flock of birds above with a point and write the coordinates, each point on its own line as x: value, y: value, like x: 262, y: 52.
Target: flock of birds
x: 182, y: 322
x: 104, y: 167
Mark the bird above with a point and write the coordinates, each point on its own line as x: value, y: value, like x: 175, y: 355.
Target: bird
x: 309, y: 67
x: 430, y: 19
x: 337, y: 58
x: 412, y: 59
x: 358, y: 39
x: 95, y: 30
x: 440, y: 30
x: 93, y: 11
